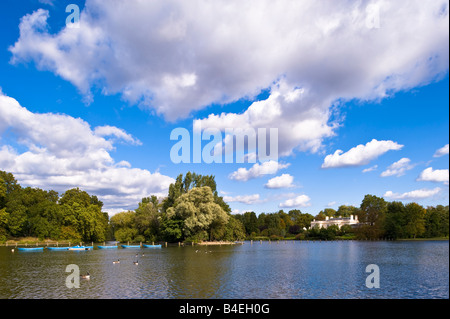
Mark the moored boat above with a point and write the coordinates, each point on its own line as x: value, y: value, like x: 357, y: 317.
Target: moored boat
x: 81, y: 248
x: 30, y: 248
x: 152, y: 246
x: 57, y: 248
x: 106, y: 247
x: 130, y: 246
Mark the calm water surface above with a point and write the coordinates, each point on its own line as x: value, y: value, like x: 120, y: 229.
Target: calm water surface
x: 265, y: 271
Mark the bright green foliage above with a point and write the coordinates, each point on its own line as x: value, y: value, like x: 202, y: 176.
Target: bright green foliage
x: 346, y: 211
x: 190, y: 181
x: 193, y: 211
x: 83, y: 212
x: 415, y: 225
x: 437, y: 221
x: 199, y: 212
x: 33, y: 212
x: 372, y: 217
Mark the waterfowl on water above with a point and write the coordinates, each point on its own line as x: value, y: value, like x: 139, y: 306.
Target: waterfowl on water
x: 136, y: 262
x: 87, y: 276
x: 117, y: 261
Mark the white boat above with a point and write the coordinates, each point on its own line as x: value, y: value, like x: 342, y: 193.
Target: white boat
x: 80, y: 248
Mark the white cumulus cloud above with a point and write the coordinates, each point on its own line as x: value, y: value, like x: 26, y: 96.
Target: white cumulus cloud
x: 244, y: 199
x: 398, y: 168
x: 413, y: 195
x: 257, y: 170
x: 299, y: 201
x: 442, y: 151
x: 60, y: 152
x: 282, y: 181
x: 438, y: 175
x: 370, y: 169
x: 177, y: 57
x: 360, y: 155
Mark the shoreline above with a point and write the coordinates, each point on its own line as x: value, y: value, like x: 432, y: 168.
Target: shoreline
x: 35, y: 242
x: 218, y: 243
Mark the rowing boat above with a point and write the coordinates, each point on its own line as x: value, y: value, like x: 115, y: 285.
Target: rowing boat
x: 106, y: 247
x: 31, y: 248
x: 57, y: 248
x: 130, y: 246
x: 152, y: 246
x: 81, y: 248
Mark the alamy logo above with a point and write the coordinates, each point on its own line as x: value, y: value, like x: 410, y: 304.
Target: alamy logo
x: 373, y: 280
x: 73, y: 280
x: 247, y: 144
x: 73, y: 19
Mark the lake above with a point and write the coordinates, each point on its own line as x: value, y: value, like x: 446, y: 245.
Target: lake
x: 284, y: 270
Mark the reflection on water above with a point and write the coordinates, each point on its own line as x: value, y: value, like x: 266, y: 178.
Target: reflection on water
x: 284, y: 270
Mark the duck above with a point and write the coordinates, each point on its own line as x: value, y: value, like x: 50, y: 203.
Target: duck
x: 136, y: 262
x: 87, y: 276
x: 117, y: 261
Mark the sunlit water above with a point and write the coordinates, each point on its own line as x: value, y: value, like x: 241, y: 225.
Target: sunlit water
x: 288, y: 270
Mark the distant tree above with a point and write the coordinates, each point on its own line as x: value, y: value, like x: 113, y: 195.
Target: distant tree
x: 3, y: 213
x: 123, y: 226
x: 396, y: 219
x: 415, y: 225
x: 328, y: 212
x: 9, y: 182
x: 199, y: 212
x: 300, y: 219
x: 295, y: 229
x: 83, y: 212
x: 192, y: 180
x: 171, y: 229
x: 250, y: 222
x: 437, y: 221
x: 147, y: 219
x: 371, y: 216
x: 2, y: 193
x: 346, y: 211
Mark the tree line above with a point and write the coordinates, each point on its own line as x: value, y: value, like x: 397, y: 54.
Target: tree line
x: 379, y: 219
x: 33, y: 212
x: 193, y: 211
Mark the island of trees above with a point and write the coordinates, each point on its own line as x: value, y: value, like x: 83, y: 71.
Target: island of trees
x: 194, y: 212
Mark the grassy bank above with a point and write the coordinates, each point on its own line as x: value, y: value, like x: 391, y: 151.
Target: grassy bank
x: 424, y: 239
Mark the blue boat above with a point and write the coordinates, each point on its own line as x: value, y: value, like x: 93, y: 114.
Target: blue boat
x: 130, y: 246
x: 107, y: 247
x: 57, y: 248
x: 31, y: 248
x: 152, y: 246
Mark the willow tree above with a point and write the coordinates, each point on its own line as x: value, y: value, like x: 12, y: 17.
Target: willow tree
x: 202, y: 216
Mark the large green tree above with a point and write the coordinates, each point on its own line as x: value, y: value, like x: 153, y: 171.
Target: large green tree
x: 190, y: 181
x: 415, y: 225
x: 203, y: 217
x: 83, y: 214
x: 396, y: 219
x: 437, y: 221
x: 372, y: 216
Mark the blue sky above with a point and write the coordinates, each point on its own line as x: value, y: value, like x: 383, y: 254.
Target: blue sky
x: 94, y: 106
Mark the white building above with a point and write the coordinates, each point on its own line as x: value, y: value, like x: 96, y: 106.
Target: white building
x: 340, y: 221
